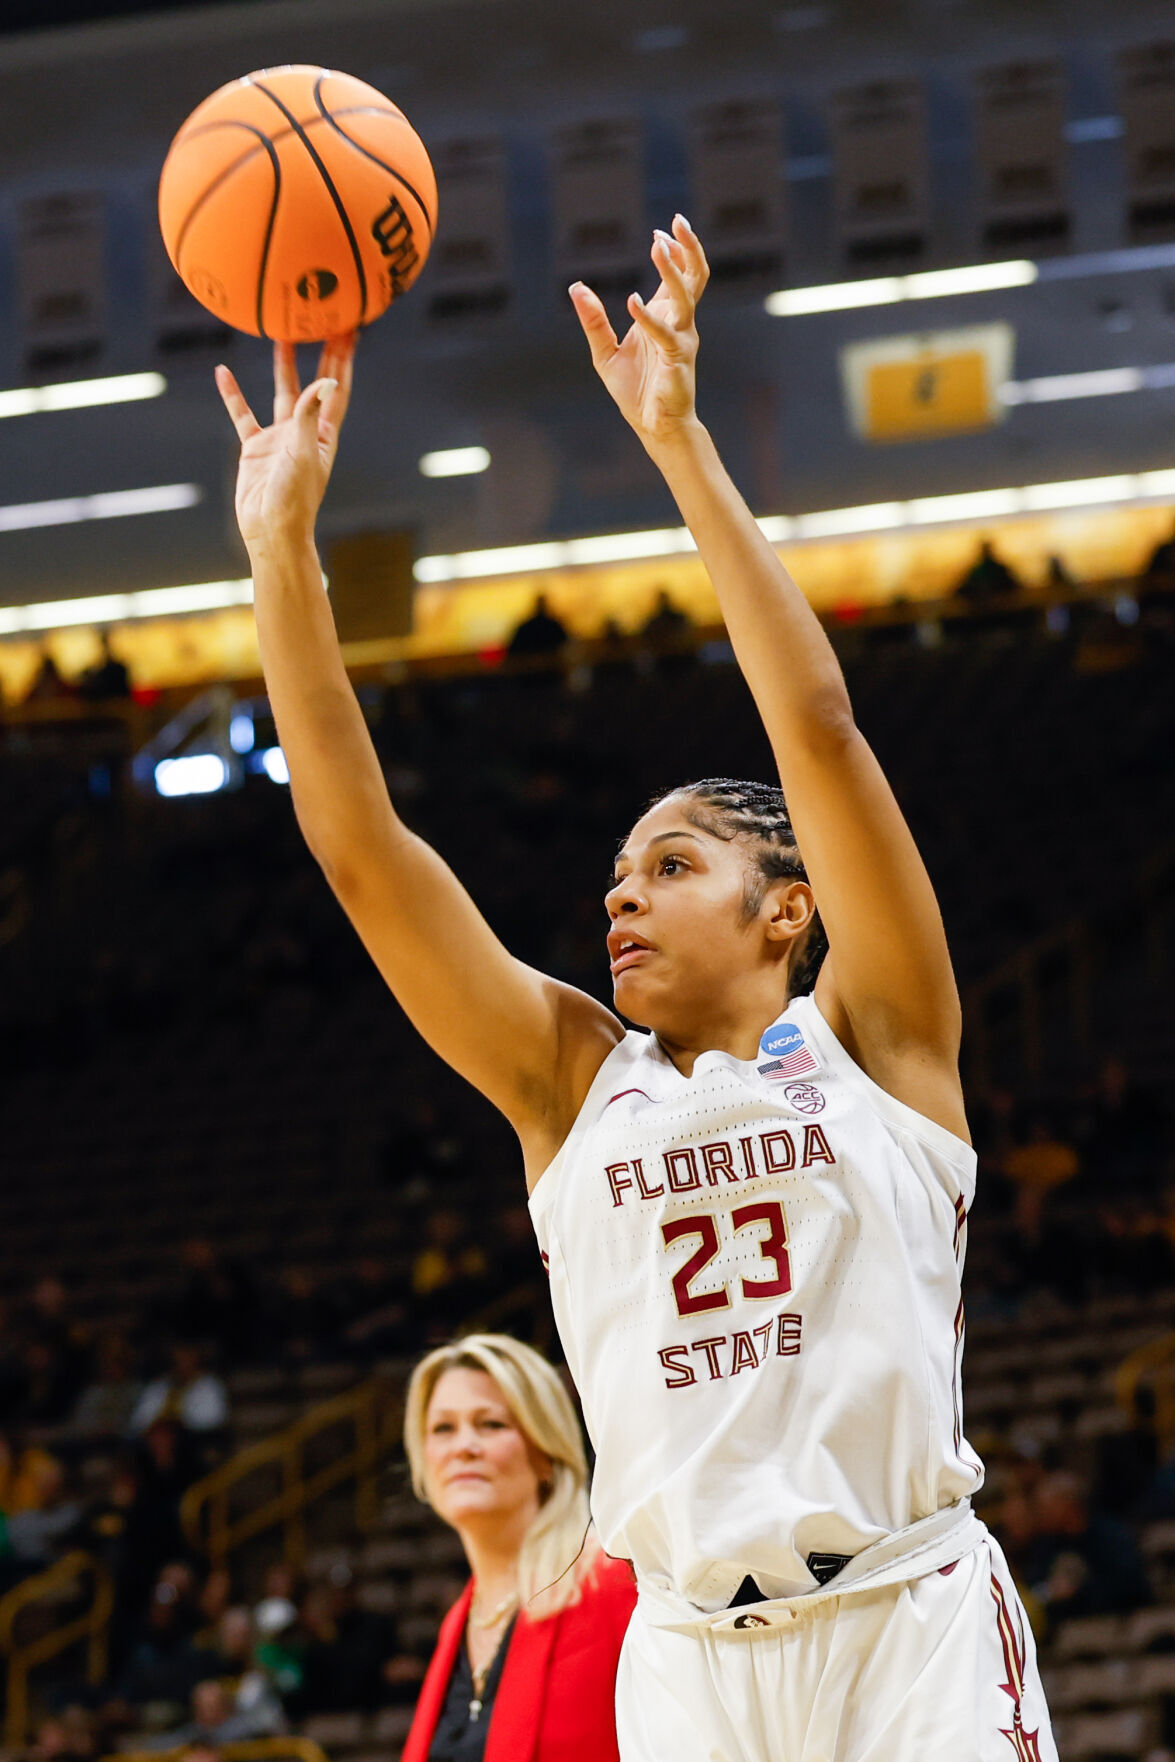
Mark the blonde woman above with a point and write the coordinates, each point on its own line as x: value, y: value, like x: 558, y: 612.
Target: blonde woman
x: 525, y: 1664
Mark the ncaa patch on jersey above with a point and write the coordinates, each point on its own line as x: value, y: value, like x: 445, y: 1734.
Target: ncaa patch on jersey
x: 787, y: 1052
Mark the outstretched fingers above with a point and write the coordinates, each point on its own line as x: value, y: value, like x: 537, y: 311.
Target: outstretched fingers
x: 668, y: 260
x: 286, y: 384
x: 337, y: 362
x: 695, y: 267
x: 589, y: 310
x: 243, y: 419
x: 665, y: 336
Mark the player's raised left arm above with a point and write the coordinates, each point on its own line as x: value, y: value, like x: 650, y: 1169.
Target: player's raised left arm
x: 887, y: 986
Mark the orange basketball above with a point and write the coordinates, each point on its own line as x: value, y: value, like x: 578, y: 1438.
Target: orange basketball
x: 297, y: 203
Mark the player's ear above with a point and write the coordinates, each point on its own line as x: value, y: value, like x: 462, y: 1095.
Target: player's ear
x: 791, y: 908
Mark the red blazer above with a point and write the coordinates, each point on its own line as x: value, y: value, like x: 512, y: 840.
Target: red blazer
x: 557, y: 1692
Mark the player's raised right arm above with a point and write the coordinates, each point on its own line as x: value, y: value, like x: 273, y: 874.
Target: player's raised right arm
x: 529, y: 1043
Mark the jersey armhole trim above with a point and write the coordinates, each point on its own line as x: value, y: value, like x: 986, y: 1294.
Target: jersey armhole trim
x: 961, y: 1155
x: 623, y: 1051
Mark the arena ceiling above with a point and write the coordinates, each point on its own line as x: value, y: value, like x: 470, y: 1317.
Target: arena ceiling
x: 521, y: 386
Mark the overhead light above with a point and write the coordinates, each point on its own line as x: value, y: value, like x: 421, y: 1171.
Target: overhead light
x: 482, y: 565
x: 163, y: 498
x: 981, y: 504
x: 837, y: 296
x: 121, y: 608
x: 886, y: 290
x: 273, y: 763
x: 833, y: 522
x: 969, y: 506
x: 81, y: 394
x: 1104, y: 382
x: 1038, y: 497
x: 454, y: 462
x: 191, y: 774
x: 242, y: 735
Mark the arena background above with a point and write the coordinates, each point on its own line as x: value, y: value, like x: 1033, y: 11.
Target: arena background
x: 239, y: 1196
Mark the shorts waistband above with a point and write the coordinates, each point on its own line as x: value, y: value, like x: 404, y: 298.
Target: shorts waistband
x: 923, y: 1547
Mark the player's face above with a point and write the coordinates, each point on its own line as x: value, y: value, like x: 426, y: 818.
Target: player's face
x: 679, y: 939
x: 479, y: 1465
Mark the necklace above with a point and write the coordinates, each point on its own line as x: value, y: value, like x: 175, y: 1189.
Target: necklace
x: 479, y: 1676
x: 495, y: 1615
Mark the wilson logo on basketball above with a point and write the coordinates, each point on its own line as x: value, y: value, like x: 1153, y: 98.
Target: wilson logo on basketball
x: 317, y: 284
x: 392, y: 232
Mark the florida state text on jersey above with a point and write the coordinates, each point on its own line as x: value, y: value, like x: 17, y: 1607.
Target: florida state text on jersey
x: 756, y: 1277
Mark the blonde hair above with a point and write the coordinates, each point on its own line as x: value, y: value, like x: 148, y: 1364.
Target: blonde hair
x: 558, y: 1552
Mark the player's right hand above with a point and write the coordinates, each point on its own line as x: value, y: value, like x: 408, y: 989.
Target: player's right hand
x: 285, y: 468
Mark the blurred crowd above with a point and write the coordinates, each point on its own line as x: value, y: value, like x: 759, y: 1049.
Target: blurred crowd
x: 197, y: 1665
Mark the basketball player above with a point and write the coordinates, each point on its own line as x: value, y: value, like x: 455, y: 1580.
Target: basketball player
x: 753, y: 1216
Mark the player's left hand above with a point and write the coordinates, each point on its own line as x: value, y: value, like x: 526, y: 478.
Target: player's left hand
x: 651, y: 374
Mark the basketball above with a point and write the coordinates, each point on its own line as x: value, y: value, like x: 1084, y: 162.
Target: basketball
x: 297, y: 203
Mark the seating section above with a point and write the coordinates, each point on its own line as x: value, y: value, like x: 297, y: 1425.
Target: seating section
x: 194, y: 1048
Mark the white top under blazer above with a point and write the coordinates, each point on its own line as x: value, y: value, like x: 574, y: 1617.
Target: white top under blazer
x: 755, y: 1273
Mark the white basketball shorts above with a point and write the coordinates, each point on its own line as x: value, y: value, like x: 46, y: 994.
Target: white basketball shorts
x: 942, y: 1667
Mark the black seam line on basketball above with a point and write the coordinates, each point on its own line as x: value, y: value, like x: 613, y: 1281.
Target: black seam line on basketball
x: 282, y: 134
x: 221, y: 177
x: 359, y: 148
x: 275, y: 162
x: 330, y: 190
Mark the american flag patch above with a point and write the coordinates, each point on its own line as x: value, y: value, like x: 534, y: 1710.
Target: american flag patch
x: 795, y: 1064
x: 786, y: 1052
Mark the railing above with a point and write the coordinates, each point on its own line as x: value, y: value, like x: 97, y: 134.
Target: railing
x: 244, y: 1750
x: 1152, y: 1365
x: 91, y: 1625
x: 205, y: 1510
x: 1069, y: 956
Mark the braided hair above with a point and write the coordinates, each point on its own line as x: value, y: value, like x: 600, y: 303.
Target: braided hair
x: 757, y: 812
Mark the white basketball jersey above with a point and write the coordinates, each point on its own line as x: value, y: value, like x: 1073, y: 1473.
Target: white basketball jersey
x: 756, y: 1272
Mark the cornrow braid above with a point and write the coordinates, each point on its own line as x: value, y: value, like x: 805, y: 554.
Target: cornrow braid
x: 731, y: 808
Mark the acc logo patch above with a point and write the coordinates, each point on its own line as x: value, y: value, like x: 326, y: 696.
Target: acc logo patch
x: 805, y: 1097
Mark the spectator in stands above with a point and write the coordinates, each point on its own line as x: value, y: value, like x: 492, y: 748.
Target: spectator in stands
x: 105, y: 1405
x: 70, y: 1736
x: 212, y: 1299
x: 1039, y: 1163
x: 108, y: 679
x: 49, y: 684
x: 162, y: 1663
x: 279, y: 1647
x: 988, y: 577
x: 540, y: 634
x: 28, y: 1474
x: 667, y: 624
x: 532, y: 1645
x: 1058, y: 574
x: 220, y: 1716
x: 189, y: 1394
x: 1162, y: 559
x: 305, y: 1319
x: 30, y: 1540
x: 1081, y: 1561
x: 1124, y: 1130
x: 214, y: 1603
x: 447, y: 1272
x: 375, y: 1307
x: 346, y: 1648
